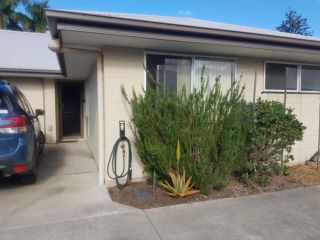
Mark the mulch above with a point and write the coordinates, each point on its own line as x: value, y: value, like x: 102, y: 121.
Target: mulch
x: 142, y: 195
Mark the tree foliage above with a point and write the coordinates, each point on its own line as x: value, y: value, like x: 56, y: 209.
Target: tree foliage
x: 36, y: 11
x: 295, y: 23
x: 10, y: 18
x: 31, y: 18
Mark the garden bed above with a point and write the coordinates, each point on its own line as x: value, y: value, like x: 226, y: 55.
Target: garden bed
x: 141, y: 194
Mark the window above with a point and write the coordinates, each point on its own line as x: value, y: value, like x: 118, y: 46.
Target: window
x: 298, y: 77
x: 30, y: 110
x: 5, y: 106
x: 277, y: 75
x: 310, y: 78
x: 176, y: 72
x: 214, y: 69
x: 169, y: 71
x: 22, y: 102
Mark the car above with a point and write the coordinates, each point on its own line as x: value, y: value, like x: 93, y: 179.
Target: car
x: 21, y: 138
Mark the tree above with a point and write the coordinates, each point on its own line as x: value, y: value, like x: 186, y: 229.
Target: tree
x: 10, y: 18
x: 36, y: 12
x: 295, y: 23
x: 31, y: 19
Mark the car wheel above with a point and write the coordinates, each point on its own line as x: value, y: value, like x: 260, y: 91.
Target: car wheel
x: 30, y: 178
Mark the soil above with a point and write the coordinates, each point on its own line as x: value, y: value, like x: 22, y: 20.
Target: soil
x: 142, y: 195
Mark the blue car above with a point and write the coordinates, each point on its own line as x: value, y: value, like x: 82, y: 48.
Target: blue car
x: 21, y: 139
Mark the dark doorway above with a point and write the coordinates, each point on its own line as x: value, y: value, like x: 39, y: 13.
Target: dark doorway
x: 71, y: 108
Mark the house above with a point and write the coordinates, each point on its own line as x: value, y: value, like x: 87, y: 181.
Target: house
x: 96, y: 53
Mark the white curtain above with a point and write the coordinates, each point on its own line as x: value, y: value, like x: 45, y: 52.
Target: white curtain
x: 214, y: 70
x: 177, y: 74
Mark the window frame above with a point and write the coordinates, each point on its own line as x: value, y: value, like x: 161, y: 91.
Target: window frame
x: 193, y: 58
x: 299, y: 77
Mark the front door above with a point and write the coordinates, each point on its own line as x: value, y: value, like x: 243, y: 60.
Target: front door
x: 71, y: 104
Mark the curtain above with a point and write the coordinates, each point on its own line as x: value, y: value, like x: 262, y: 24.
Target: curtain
x: 214, y: 70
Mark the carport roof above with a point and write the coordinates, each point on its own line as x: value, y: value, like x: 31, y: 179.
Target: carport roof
x: 27, y: 52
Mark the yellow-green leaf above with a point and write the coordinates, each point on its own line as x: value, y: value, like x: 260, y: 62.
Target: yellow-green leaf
x: 178, y: 151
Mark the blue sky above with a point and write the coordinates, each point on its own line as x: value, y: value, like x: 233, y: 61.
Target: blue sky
x: 256, y: 13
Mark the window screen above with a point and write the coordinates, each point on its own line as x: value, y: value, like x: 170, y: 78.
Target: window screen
x: 277, y: 74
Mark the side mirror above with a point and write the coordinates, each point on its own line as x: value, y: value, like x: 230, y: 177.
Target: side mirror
x: 39, y: 112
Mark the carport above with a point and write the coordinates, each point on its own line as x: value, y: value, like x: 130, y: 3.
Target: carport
x: 67, y: 89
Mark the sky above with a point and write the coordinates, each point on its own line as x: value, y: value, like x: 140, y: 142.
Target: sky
x: 266, y: 14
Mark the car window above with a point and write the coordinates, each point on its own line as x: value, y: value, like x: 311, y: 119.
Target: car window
x: 21, y: 102
x: 4, y: 104
x: 30, y: 110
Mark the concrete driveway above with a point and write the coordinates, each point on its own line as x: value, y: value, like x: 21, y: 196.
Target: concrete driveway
x: 67, y: 203
x: 67, y: 189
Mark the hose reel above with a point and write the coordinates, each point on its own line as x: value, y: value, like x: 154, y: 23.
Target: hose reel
x: 126, y: 169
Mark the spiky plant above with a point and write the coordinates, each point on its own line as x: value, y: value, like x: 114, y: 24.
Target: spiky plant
x: 181, y: 185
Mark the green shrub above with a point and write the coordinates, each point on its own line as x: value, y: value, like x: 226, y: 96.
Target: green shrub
x: 264, y: 181
x: 216, y: 131
x: 275, y: 131
x: 210, y: 125
x: 246, y: 180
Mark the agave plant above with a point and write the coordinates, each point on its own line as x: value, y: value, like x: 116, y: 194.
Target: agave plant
x: 181, y: 185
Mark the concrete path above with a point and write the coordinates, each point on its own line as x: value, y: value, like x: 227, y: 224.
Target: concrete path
x: 289, y: 215
x: 68, y: 204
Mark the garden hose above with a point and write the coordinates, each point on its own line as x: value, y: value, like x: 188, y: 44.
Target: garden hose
x: 112, y: 164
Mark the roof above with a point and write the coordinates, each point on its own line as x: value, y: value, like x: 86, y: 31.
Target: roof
x: 25, y: 51
x: 189, y: 22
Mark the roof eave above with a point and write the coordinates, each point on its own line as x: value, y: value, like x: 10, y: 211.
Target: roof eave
x: 55, y: 16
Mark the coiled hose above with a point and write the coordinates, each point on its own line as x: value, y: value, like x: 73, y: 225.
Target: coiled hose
x: 112, y: 164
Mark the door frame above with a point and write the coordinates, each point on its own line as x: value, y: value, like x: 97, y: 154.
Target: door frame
x: 60, y: 125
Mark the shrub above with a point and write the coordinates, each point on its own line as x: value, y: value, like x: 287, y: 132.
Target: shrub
x: 264, y: 181
x: 275, y: 131
x: 246, y: 180
x: 210, y: 124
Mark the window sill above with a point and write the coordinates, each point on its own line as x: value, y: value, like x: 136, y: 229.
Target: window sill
x: 290, y: 92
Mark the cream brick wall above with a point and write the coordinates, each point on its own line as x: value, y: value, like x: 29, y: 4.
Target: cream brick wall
x: 50, y: 108
x: 125, y: 66
x: 122, y: 66
x: 92, y: 114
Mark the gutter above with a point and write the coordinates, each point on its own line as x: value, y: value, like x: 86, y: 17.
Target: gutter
x: 8, y: 72
x: 56, y: 47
